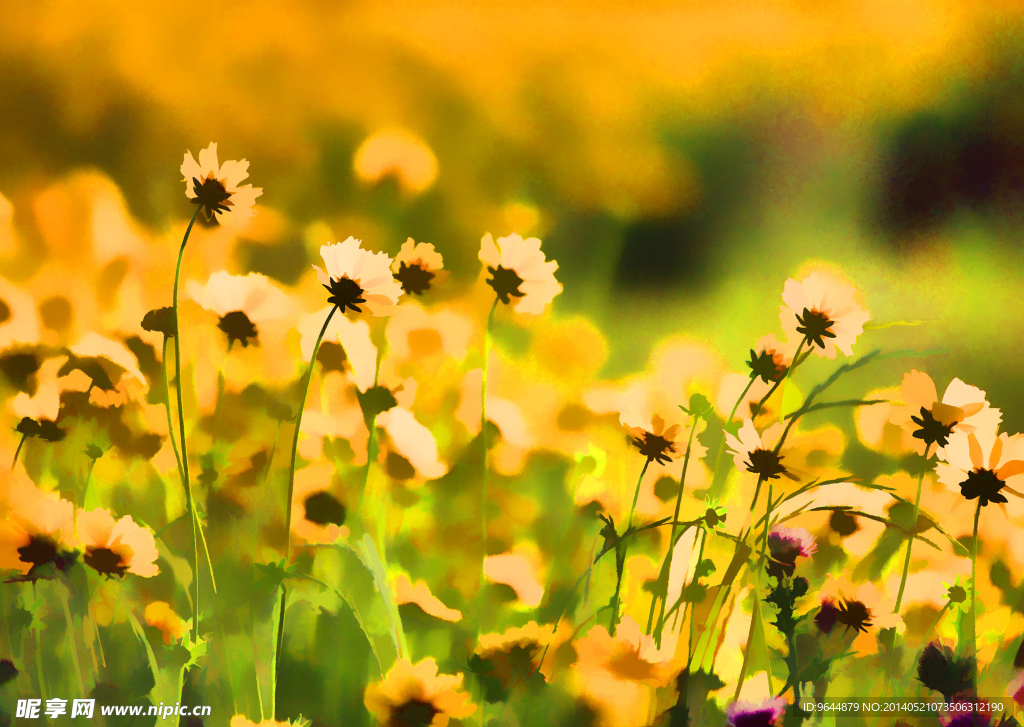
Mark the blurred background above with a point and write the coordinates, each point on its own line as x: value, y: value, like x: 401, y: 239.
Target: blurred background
x: 679, y: 161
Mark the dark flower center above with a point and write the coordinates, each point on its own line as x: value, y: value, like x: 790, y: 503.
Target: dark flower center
x: 415, y: 279
x: 854, y: 615
x: 930, y: 429
x: 414, y: 713
x: 376, y: 400
x: 815, y: 325
x: 238, y: 327
x: 212, y: 197
x: 7, y: 671
x: 957, y: 594
x: 655, y: 447
x: 754, y: 718
x: 762, y: 365
x: 940, y: 669
x: 766, y: 463
x: 345, y: 293
x: 105, y: 561
x: 332, y: 356
x: 323, y: 508
x: 44, y: 429
x: 5, y: 312
x: 843, y: 523
x: 505, y: 282
x: 39, y: 551
x: 983, y: 484
x: 160, y: 320
x: 827, y: 617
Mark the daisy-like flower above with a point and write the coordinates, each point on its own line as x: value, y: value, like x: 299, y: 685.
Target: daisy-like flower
x: 761, y: 714
x: 514, y: 652
x: 115, y: 547
x: 241, y: 301
x: 657, y: 443
x: 355, y: 277
x: 518, y: 270
x: 983, y: 466
x: 39, y: 530
x: 19, y: 320
x: 418, y: 267
x: 855, y: 607
x: 416, y: 695
x: 318, y: 514
x: 160, y: 615
x: 756, y: 453
x: 958, y: 595
x: 399, y: 154
x: 822, y: 311
x: 940, y: 669
x: 785, y: 545
x: 112, y: 370
x: 216, y: 187
x: 769, y: 359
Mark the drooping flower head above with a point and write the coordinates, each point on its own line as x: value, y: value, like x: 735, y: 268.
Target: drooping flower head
x: 115, y: 547
x: 983, y: 466
x: 785, y: 545
x: 415, y: 694
x: 769, y: 359
x: 241, y: 301
x: 756, y: 453
x: 215, y: 187
x: 822, y: 311
x: 760, y: 714
x: 518, y: 270
x: 356, y: 277
x: 418, y: 267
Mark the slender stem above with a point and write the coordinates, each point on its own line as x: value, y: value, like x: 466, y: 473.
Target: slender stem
x: 974, y: 590
x: 62, y: 593
x: 88, y: 479
x: 620, y: 551
x: 288, y: 511
x: 485, y: 473
x: 14, y: 462
x: 181, y: 418
x: 789, y: 376
x: 913, y: 533
x: 167, y: 408
x: 672, y: 538
x: 39, y: 653
x: 755, y: 615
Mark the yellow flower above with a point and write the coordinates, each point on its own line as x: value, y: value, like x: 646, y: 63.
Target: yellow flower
x: 419, y: 593
x: 981, y: 465
x: 37, y: 530
x: 753, y: 452
x: 19, y: 321
x: 398, y: 153
x: 159, y: 614
x: 116, y: 547
x: 215, y: 187
x: 355, y: 276
x: 415, y: 695
x: 518, y: 270
x: 418, y: 267
x: 241, y: 301
x: 318, y: 515
x: 112, y: 368
x: 822, y: 311
x: 520, y: 650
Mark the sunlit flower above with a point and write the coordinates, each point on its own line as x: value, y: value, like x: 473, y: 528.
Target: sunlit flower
x: 420, y: 594
x: 958, y: 595
x: 114, y: 375
x: 408, y: 447
x: 19, y: 320
x: 38, y: 530
x: 518, y: 270
x: 753, y: 452
x: 160, y: 615
x: 785, y: 545
x: 520, y: 570
x: 856, y: 608
x: 762, y: 714
x: 822, y: 310
x: 769, y: 359
x: 658, y: 443
x: 355, y: 276
x: 983, y: 466
x: 215, y: 187
x: 398, y: 153
x: 516, y: 652
x: 418, y: 267
x: 241, y: 301
x: 415, y: 694
x: 318, y: 513
x: 115, y: 547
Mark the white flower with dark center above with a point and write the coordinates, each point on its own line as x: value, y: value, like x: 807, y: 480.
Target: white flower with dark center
x: 980, y: 465
x: 753, y: 452
x: 241, y: 301
x: 355, y: 277
x: 822, y: 311
x: 519, y: 270
x: 217, y: 187
x: 418, y: 267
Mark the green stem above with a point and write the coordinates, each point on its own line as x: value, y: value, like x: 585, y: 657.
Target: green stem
x: 39, y: 652
x: 288, y: 511
x: 62, y: 591
x: 181, y: 418
x: 913, y: 533
x: 485, y: 474
x: 620, y: 551
x: 755, y: 616
x: 666, y: 566
x: 974, y: 590
x: 789, y: 376
x: 167, y: 408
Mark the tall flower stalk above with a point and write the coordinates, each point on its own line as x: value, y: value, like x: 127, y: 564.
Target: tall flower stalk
x: 484, y: 476
x: 913, y: 532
